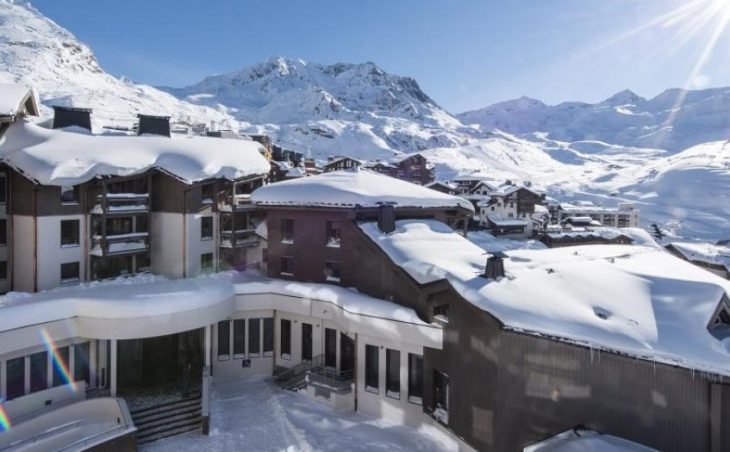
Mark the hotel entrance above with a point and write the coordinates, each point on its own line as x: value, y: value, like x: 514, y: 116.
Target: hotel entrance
x: 171, y: 364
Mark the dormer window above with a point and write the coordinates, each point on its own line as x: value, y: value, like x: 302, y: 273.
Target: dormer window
x: 69, y: 195
x: 720, y: 322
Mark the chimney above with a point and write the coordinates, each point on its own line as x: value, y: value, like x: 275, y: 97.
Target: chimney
x: 386, y: 218
x: 71, y: 116
x: 495, y: 266
x: 154, y: 125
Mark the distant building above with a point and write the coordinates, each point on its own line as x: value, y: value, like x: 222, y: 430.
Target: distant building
x: 508, y: 209
x: 340, y: 163
x: 582, y: 236
x: 625, y: 215
x: 443, y: 186
x: 414, y: 168
x: 713, y: 258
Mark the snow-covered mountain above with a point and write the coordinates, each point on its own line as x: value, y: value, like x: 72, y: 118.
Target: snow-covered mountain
x: 37, y: 52
x: 330, y: 108
x: 605, y: 152
x: 674, y: 120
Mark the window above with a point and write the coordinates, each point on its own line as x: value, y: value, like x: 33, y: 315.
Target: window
x: 38, y: 371
x: 372, y: 368
x: 15, y: 379
x: 206, y: 228
x: 415, y: 378
x: 264, y: 255
x: 441, y: 396
x: 143, y: 262
x: 333, y: 233
x: 81, y: 363
x: 268, y: 336
x: 3, y: 270
x: 69, y: 195
x: 69, y: 233
x: 392, y: 374
x: 70, y: 273
x: 330, y: 347
x: 207, y: 193
x: 206, y: 262
x: 306, y: 341
x: 721, y: 320
x: 3, y: 231
x: 441, y: 312
x: 3, y: 185
x: 254, y: 337
x: 285, y: 339
x: 287, y: 230
x: 239, y: 338
x: 224, y: 340
x: 287, y: 266
x: 60, y: 361
x: 332, y: 271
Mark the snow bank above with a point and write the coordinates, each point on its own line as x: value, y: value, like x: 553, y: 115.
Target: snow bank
x: 586, y: 441
x: 633, y: 299
x: 347, y: 189
x: 60, y: 157
x: 11, y: 96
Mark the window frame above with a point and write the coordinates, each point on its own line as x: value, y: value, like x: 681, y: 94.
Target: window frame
x: 236, y: 324
x: 74, y: 190
x: 203, y: 227
x: 254, y: 337
x: 372, y: 369
x: 281, y: 268
x: 227, y: 337
x: 209, y: 268
x: 414, y: 360
x: 285, y: 339
x: 287, y: 231
x: 333, y: 235
x: 3, y: 232
x: 77, y: 222
x: 70, y: 281
x: 331, y: 266
x: 392, y: 373
x: 268, y: 337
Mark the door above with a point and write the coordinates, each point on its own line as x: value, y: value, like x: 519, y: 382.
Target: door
x: 330, y: 348
x: 347, y: 353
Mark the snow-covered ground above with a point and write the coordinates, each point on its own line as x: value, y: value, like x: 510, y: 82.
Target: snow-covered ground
x: 252, y: 414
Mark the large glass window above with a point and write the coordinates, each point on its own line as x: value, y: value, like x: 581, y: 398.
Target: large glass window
x: 224, y: 340
x: 206, y: 228
x: 239, y: 338
x: 392, y: 373
x: 415, y: 378
x: 15, y: 379
x: 306, y: 341
x: 70, y: 273
x: 3, y: 189
x: 69, y: 232
x: 61, y: 360
x: 81, y: 362
x: 3, y: 270
x: 372, y: 368
x: 330, y: 347
x: 285, y: 338
x: 38, y: 371
x: 3, y: 231
x: 254, y: 337
x: 287, y: 230
x: 268, y: 336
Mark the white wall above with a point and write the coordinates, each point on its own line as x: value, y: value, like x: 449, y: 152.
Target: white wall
x: 166, y: 249
x: 196, y: 246
x: 23, y: 239
x: 399, y: 411
x: 51, y: 254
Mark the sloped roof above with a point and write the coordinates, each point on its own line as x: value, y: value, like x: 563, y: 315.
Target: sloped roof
x: 353, y: 188
x: 12, y: 98
x: 66, y: 157
x: 636, y: 300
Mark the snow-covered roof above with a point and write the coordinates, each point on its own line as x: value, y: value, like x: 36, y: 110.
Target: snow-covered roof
x: 707, y: 253
x: 340, y: 159
x: 472, y: 177
x: 352, y: 188
x: 12, y: 97
x: 636, y: 300
x: 443, y: 183
x: 508, y: 189
x: 64, y: 157
x: 589, y: 207
x: 498, y: 220
x: 580, y: 440
x: 606, y: 233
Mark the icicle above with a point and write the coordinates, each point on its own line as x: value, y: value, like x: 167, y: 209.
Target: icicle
x: 591, y: 349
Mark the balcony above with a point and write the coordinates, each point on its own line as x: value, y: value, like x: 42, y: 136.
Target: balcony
x: 121, y: 204
x: 241, y: 238
x: 119, y: 244
x: 236, y: 203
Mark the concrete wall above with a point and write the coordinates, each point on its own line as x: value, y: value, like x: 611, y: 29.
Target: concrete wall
x: 51, y: 254
x: 23, y: 241
x: 166, y: 244
x: 197, y: 246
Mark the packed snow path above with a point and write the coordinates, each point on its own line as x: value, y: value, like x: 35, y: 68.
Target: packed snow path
x: 252, y: 414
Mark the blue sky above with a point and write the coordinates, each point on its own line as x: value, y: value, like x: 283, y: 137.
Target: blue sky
x: 465, y: 54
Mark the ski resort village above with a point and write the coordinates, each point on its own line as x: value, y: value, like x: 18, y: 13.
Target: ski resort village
x: 297, y: 256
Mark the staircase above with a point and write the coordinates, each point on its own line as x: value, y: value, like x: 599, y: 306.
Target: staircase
x: 168, y: 419
x: 317, y: 373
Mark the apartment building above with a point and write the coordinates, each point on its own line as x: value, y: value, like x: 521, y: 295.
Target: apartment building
x: 624, y: 215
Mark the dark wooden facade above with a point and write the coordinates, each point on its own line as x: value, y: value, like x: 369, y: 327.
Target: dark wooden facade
x: 340, y: 163
x: 414, y: 168
x: 508, y: 390
x: 557, y: 240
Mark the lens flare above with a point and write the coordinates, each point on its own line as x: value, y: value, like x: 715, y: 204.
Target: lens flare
x: 4, y: 419
x: 58, y: 363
